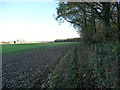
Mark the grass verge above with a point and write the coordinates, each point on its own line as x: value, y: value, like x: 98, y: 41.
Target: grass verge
x: 94, y: 66
x: 65, y: 74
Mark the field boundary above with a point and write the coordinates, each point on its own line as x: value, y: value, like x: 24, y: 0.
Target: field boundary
x: 65, y: 72
x: 42, y: 81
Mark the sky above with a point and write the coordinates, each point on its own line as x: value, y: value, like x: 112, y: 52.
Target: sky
x: 32, y: 21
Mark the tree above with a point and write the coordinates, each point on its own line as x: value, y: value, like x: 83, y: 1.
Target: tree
x: 85, y: 15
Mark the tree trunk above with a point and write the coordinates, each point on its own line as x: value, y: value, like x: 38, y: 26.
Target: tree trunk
x: 93, y: 25
x: 118, y: 11
x: 106, y: 19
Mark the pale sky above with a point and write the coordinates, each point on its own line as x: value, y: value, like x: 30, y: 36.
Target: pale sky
x: 32, y: 21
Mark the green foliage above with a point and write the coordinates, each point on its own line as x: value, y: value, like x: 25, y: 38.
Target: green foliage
x: 104, y: 64
x: 94, y: 66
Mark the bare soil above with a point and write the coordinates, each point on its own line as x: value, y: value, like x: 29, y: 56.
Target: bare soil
x: 23, y: 70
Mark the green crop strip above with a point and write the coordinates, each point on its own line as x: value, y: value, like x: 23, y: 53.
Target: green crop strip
x: 17, y: 48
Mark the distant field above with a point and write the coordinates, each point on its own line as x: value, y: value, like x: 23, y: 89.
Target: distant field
x: 16, y: 48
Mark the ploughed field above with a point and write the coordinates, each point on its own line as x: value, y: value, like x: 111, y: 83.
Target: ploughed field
x: 25, y: 64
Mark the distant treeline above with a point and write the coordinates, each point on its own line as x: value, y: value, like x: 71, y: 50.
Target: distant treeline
x: 68, y: 40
